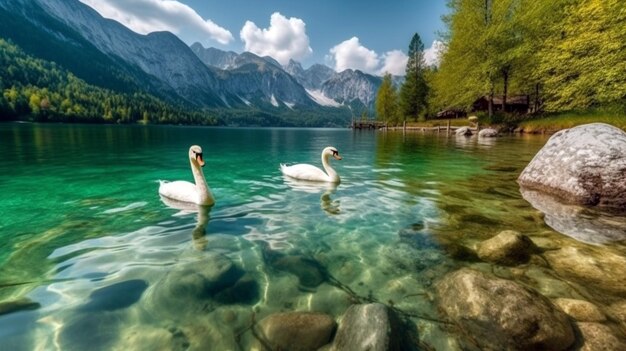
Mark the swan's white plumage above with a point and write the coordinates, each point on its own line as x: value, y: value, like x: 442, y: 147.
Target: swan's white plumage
x: 179, y: 190
x: 305, y: 172
x: 184, y: 191
x: 308, y: 172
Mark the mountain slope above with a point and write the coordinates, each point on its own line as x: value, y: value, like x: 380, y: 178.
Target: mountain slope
x: 313, y: 77
x: 254, y: 80
x: 214, y: 57
x: 39, y: 90
x: 353, y: 87
x: 38, y: 34
x: 159, y: 54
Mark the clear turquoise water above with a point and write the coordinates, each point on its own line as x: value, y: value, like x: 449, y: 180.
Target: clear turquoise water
x: 84, y: 233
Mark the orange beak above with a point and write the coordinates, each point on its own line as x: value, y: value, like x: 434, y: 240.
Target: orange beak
x: 337, y: 157
x: 200, y: 160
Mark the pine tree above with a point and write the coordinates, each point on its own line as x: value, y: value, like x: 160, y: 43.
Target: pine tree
x: 414, y: 91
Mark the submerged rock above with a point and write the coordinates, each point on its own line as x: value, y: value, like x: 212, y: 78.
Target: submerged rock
x: 198, y: 286
x: 584, y: 165
x: 580, y: 310
x: 598, y: 336
x: 582, y: 224
x: 488, y: 133
x: 309, y: 271
x: 501, y: 314
x: 466, y: 131
x: 369, y: 327
x: 619, y: 310
x: 595, y: 269
x: 22, y: 304
x: 90, y: 331
x: 115, y: 296
x: 297, y: 331
x: 507, y: 248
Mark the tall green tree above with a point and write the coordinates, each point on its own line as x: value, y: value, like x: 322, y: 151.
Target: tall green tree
x: 387, y: 101
x: 414, y: 90
x: 583, y: 61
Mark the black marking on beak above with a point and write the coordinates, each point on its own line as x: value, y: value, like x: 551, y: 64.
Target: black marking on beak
x: 199, y: 158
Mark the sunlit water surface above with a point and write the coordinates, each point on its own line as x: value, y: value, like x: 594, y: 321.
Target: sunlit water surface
x: 86, y: 239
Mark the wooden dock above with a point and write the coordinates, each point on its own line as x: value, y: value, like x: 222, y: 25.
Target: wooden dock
x: 371, y: 124
x: 368, y: 125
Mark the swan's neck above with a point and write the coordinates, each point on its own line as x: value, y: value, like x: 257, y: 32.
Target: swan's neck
x: 332, y: 175
x: 204, y: 195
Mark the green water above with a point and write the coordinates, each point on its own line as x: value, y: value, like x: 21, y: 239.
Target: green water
x: 80, y: 212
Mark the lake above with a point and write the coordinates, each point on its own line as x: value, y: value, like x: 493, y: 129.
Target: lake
x: 92, y: 258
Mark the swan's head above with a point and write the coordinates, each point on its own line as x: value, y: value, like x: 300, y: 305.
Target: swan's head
x: 331, y: 151
x: 195, y: 155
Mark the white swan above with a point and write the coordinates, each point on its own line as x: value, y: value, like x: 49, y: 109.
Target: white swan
x: 308, y: 172
x: 184, y: 191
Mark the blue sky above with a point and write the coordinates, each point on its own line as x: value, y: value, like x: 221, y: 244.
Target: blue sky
x: 369, y: 35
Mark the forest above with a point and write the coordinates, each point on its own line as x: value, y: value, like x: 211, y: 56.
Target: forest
x: 44, y: 92
x: 562, y: 56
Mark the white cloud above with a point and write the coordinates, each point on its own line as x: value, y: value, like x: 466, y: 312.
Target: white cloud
x: 394, y: 62
x: 285, y: 39
x: 146, y: 16
x: 351, y: 54
x: 432, y: 55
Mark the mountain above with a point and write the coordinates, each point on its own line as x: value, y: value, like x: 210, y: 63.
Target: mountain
x: 108, y: 55
x: 160, y: 54
x: 214, y: 57
x: 254, y: 80
x: 352, y: 87
x: 329, y: 88
x: 38, y: 34
x: 311, y: 78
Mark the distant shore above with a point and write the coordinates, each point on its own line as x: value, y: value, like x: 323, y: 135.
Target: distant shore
x: 547, y: 124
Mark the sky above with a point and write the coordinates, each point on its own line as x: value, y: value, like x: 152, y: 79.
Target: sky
x: 370, y: 35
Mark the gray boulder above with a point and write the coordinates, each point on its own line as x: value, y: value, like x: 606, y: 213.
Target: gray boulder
x: 488, y: 133
x: 584, y: 165
x: 507, y: 248
x: 369, y: 327
x: 501, y: 314
x: 297, y: 331
x: 463, y: 131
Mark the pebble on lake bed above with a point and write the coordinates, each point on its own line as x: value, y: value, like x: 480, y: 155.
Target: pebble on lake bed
x: 507, y: 248
x: 580, y: 310
x: 369, y: 327
x: 598, y: 336
x: 296, y: 331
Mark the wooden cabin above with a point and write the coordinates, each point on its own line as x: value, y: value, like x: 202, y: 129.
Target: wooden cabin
x: 451, y: 113
x: 514, y: 103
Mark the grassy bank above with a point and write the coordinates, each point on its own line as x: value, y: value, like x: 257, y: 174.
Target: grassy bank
x: 553, y: 123
x: 546, y: 123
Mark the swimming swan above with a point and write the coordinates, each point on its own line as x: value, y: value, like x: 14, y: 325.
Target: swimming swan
x: 184, y: 191
x: 308, y: 172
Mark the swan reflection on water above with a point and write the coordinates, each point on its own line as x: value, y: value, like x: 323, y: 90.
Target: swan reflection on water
x: 198, y: 233
x: 330, y: 206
